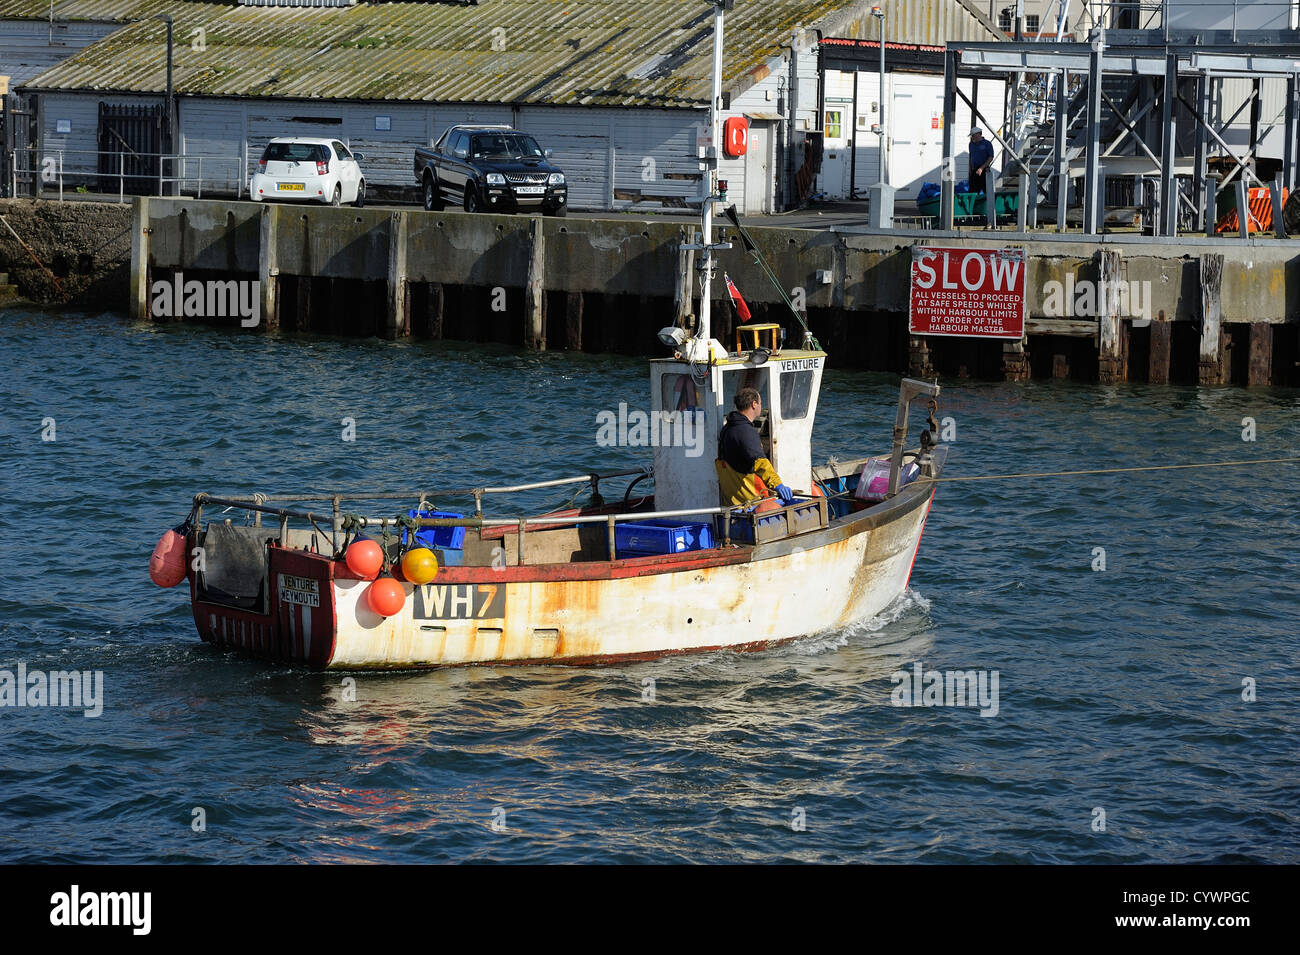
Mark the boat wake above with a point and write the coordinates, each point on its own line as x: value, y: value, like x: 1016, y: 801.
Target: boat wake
x: 903, y: 605
x: 906, y: 605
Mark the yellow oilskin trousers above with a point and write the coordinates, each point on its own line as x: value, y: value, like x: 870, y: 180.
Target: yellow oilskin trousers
x: 737, y: 488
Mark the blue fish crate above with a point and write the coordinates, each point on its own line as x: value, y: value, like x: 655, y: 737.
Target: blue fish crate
x: 801, y: 515
x: 646, y: 538
x: 742, y: 531
x: 450, y: 538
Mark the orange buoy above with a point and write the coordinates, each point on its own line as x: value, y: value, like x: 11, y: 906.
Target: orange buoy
x: 386, y: 597
x: 364, y: 558
x: 420, y: 565
x: 167, y: 565
x: 768, y: 504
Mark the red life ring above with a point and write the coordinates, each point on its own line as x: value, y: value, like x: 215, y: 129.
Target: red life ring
x: 735, y: 136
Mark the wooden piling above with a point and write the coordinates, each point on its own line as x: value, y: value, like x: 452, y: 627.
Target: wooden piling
x: 269, y: 273
x: 1260, y: 366
x: 919, y: 363
x: 140, y: 233
x: 1015, y: 361
x: 1060, y: 366
x: 573, y: 321
x: 1211, y: 361
x: 435, y: 305
x: 302, y: 310
x: 1161, y: 348
x: 398, y: 318
x: 535, y: 291
x: 1111, y: 364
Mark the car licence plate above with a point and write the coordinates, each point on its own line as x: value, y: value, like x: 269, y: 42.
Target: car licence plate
x: 530, y: 190
x: 290, y: 187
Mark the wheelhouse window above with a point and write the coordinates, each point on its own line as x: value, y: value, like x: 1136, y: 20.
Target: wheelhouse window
x: 833, y: 124
x: 796, y: 394
x: 680, y: 393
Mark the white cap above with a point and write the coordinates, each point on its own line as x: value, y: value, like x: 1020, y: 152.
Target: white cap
x: 977, y: 131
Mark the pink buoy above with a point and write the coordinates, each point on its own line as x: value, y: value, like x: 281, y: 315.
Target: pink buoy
x: 364, y: 558
x: 167, y: 565
x: 386, y: 597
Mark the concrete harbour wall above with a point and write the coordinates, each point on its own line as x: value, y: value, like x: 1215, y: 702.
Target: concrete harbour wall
x: 1219, y: 310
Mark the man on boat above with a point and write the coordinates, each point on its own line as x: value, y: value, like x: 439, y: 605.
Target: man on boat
x: 744, y: 472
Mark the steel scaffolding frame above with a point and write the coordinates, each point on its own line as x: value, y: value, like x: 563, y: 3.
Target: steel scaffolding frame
x: 1157, y: 68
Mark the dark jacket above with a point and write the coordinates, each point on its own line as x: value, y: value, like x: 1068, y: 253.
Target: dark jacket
x: 744, y: 474
x: 980, y: 153
x: 739, y: 444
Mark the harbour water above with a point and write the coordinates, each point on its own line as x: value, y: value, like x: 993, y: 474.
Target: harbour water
x: 1146, y: 711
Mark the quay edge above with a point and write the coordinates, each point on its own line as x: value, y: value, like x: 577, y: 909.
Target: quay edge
x: 1221, y: 311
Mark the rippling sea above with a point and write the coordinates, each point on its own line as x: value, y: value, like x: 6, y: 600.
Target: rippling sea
x: 1120, y: 690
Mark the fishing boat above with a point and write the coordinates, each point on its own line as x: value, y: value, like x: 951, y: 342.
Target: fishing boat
x: 309, y: 580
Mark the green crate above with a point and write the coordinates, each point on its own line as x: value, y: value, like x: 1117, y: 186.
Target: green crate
x: 971, y: 205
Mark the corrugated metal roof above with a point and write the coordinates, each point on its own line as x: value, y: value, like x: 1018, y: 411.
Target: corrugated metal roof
x: 562, y: 52
x: 111, y: 11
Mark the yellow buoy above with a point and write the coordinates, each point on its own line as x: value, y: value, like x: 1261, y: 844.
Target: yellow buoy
x: 420, y: 565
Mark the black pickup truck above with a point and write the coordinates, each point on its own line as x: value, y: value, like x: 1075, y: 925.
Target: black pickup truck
x: 491, y: 169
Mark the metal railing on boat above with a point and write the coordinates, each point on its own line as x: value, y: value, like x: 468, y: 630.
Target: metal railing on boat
x: 476, y: 492
x: 260, y: 504
x: 337, y: 498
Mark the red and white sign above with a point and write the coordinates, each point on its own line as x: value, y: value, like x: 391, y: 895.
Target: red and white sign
x: 967, y: 293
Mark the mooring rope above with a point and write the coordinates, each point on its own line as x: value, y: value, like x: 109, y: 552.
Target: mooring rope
x: 1152, y: 467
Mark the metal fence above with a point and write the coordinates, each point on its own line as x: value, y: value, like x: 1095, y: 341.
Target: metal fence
x: 46, y: 172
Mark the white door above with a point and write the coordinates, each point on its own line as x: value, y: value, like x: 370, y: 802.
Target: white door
x: 834, y: 179
x: 916, y: 156
x: 758, y: 171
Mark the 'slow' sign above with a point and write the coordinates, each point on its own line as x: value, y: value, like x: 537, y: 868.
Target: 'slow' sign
x: 967, y: 293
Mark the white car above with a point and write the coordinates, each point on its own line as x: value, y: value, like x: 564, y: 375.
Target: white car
x: 309, y: 170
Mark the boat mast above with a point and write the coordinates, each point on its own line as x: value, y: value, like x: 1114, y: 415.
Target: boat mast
x: 710, y: 162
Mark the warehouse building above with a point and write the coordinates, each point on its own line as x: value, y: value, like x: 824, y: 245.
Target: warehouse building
x: 618, y: 89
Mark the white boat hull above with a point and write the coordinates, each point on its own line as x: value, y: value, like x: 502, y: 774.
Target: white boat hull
x: 784, y: 592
